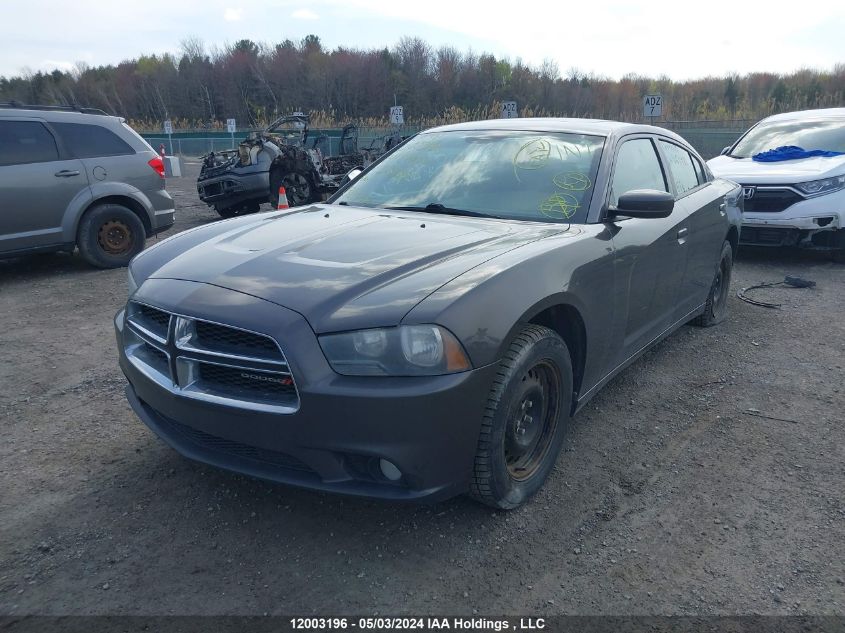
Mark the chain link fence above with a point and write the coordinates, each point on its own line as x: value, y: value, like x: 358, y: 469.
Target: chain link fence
x: 708, y: 137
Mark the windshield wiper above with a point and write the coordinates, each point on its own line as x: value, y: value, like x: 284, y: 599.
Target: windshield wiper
x: 436, y: 207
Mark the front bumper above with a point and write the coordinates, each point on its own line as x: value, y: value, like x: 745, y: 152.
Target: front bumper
x: 232, y: 187
x: 427, y: 427
x: 810, y: 223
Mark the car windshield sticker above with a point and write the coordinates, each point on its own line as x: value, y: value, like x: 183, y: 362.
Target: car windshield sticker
x: 559, y: 206
x: 572, y: 181
x: 532, y: 155
x: 537, y: 153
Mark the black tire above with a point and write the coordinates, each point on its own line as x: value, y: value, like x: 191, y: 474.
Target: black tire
x: 110, y: 235
x: 298, y: 188
x: 838, y: 254
x: 716, y: 308
x: 242, y: 209
x: 513, y: 459
x: 227, y: 212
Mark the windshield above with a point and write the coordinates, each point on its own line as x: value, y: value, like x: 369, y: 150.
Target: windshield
x: 828, y: 135
x: 538, y: 176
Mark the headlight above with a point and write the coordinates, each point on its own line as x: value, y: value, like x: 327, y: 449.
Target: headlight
x: 131, y: 285
x: 819, y: 187
x: 408, y: 350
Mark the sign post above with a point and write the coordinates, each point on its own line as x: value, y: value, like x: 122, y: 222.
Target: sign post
x: 168, y: 129
x: 397, y: 115
x: 231, y: 126
x: 509, y: 110
x: 653, y: 107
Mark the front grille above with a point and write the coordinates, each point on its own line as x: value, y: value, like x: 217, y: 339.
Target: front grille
x: 245, y: 384
x: 159, y: 317
x: 229, y: 340
x: 153, y: 320
x: 213, y: 189
x: 771, y: 199
x: 209, y: 361
x: 763, y: 236
x: 237, y: 449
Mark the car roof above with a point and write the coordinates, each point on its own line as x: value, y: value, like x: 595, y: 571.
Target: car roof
x: 596, y: 127
x: 821, y: 113
x: 59, y: 116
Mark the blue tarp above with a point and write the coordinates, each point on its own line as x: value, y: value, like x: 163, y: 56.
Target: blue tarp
x: 791, y: 152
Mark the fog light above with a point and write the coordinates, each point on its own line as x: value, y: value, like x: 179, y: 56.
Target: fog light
x: 389, y: 470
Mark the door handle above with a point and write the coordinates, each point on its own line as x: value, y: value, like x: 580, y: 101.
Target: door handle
x: 682, y: 234
x: 67, y: 173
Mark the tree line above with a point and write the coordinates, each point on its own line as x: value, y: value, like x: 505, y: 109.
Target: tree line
x: 254, y: 82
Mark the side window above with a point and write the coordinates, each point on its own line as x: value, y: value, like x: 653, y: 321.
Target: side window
x: 702, y: 172
x: 24, y: 142
x: 685, y: 173
x: 91, y: 141
x: 637, y: 167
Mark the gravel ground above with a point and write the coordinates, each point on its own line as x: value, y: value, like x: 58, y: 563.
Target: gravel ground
x: 708, y: 478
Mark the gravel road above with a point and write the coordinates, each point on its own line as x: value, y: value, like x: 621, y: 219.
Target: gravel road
x: 708, y: 478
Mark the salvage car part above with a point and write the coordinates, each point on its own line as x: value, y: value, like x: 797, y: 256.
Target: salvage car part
x: 238, y: 181
x: 792, y: 282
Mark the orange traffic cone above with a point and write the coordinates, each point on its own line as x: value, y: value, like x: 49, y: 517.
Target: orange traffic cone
x: 283, y: 199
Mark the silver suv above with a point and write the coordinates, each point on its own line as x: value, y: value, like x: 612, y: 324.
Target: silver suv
x: 76, y: 177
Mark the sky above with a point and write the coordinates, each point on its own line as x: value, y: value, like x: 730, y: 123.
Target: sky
x: 604, y: 37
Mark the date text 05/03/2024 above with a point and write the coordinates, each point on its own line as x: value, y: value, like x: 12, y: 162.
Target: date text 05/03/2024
x: 418, y: 623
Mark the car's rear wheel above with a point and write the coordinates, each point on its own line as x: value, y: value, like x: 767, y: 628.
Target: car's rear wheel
x: 525, y: 421
x: 716, y: 307
x: 110, y: 235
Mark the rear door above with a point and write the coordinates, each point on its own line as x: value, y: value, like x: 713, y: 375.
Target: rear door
x: 650, y: 253
x: 37, y: 184
x: 105, y: 155
x: 707, y: 224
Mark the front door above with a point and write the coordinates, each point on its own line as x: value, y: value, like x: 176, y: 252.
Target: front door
x: 651, y: 253
x: 37, y: 184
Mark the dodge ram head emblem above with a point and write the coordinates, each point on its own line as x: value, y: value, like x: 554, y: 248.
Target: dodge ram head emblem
x: 748, y: 192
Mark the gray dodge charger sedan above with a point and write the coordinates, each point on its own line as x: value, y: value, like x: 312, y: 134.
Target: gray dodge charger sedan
x: 430, y: 330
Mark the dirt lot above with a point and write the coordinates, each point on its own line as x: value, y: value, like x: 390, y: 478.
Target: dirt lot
x: 670, y: 496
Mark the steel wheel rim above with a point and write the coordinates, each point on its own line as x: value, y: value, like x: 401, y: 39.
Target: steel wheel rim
x: 533, y: 420
x: 115, y: 237
x: 297, y: 188
x: 720, y: 286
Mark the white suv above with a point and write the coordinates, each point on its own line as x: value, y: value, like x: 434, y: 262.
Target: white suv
x: 798, y: 202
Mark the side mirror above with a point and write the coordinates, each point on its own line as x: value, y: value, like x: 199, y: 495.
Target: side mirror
x: 352, y: 174
x: 644, y: 203
x: 725, y: 150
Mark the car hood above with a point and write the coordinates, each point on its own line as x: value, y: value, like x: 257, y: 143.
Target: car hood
x: 749, y: 172
x: 343, y: 267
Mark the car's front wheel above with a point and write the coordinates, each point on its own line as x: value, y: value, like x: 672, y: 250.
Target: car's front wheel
x: 839, y: 247
x: 110, y: 235
x: 526, y: 416
x: 716, y: 307
x: 241, y: 209
x: 298, y: 188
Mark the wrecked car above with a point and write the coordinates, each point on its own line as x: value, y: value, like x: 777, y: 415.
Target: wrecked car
x: 237, y: 181
x: 792, y: 170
